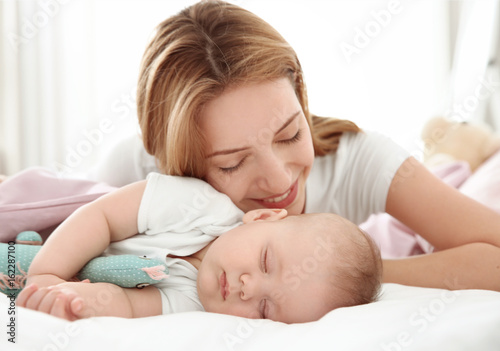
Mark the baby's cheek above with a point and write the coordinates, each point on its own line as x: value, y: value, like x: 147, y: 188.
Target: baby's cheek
x: 202, y: 287
x: 238, y: 310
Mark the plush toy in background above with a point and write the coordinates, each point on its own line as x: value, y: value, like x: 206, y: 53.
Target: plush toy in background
x: 446, y: 140
x: 127, y: 271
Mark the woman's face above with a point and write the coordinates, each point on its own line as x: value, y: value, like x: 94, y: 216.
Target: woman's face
x: 259, y: 146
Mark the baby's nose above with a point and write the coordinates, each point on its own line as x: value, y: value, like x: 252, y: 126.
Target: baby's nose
x: 249, y: 287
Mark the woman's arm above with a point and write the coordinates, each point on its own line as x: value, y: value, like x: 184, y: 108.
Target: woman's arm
x: 86, y: 234
x: 438, y: 212
x: 470, y: 266
x: 450, y: 221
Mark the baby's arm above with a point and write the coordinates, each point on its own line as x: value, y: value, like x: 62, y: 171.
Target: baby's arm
x: 86, y: 234
x: 76, y: 300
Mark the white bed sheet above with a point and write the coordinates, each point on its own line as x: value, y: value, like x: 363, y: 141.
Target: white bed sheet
x: 406, y: 318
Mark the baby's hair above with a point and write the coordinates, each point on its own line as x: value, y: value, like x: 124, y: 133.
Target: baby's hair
x: 359, y: 272
x: 355, y: 264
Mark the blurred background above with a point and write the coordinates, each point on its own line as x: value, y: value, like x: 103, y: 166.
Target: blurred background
x: 68, y: 68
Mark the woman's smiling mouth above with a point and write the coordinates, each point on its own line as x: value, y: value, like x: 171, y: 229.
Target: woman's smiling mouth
x: 282, y: 200
x: 279, y: 198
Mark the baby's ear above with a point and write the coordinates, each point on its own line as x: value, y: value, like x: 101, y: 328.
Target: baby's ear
x: 264, y: 214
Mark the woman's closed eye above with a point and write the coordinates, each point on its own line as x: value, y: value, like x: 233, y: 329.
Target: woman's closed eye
x: 229, y: 170
x: 293, y: 139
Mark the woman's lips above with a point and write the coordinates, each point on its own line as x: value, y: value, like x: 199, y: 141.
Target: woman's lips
x: 282, y: 200
x: 224, y: 291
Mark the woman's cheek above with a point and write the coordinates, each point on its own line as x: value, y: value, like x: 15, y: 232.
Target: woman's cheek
x: 217, y: 179
x: 223, y: 182
x: 226, y: 184
x: 306, y: 151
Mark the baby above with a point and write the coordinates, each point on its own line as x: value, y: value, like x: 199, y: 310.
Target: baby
x: 288, y: 269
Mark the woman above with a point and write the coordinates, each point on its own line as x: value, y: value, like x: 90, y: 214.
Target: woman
x: 221, y: 97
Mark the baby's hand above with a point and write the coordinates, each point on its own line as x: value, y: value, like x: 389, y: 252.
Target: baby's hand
x: 57, y: 300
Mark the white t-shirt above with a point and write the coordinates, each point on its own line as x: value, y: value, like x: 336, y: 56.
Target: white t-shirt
x: 353, y: 182
x: 178, y: 216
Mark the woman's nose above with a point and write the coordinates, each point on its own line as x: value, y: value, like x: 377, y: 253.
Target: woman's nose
x: 275, y: 174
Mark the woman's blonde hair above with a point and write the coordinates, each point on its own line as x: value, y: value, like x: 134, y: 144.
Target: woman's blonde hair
x: 193, y: 57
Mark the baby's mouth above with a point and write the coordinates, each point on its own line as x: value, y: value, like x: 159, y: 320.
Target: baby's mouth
x: 224, y: 288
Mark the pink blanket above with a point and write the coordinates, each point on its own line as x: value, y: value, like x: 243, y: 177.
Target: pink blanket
x: 36, y: 199
x: 397, y: 240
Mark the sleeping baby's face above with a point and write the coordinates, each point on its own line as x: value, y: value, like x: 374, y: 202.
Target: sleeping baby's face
x: 275, y: 269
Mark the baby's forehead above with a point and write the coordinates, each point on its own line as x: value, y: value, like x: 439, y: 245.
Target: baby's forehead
x: 321, y: 223
x: 327, y: 231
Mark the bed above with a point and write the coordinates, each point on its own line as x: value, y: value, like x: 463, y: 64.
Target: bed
x: 405, y: 318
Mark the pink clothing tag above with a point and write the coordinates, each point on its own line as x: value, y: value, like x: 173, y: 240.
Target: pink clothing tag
x: 156, y: 272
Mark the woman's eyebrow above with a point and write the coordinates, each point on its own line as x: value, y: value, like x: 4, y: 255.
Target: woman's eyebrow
x: 228, y: 151
x: 232, y: 151
x: 288, y: 121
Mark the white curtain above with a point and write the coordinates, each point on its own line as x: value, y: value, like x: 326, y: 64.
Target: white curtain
x: 475, y: 80
x: 47, y: 80
x: 9, y: 128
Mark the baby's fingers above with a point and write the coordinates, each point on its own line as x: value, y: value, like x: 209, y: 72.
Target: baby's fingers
x: 77, y: 307
x: 49, y: 299
x: 26, y: 294
x: 60, y: 308
x: 31, y: 296
x: 36, y: 300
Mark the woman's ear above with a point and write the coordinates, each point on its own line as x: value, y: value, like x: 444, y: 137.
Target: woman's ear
x: 265, y: 214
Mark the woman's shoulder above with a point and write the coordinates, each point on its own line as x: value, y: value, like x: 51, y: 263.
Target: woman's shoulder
x: 364, y: 138
x: 353, y: 144
x: 354, y: 180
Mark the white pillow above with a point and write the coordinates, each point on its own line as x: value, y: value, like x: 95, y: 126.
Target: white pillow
x: 406, y: 318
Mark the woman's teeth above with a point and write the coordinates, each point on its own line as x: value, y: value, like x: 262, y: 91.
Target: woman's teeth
x: 279, y: 198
